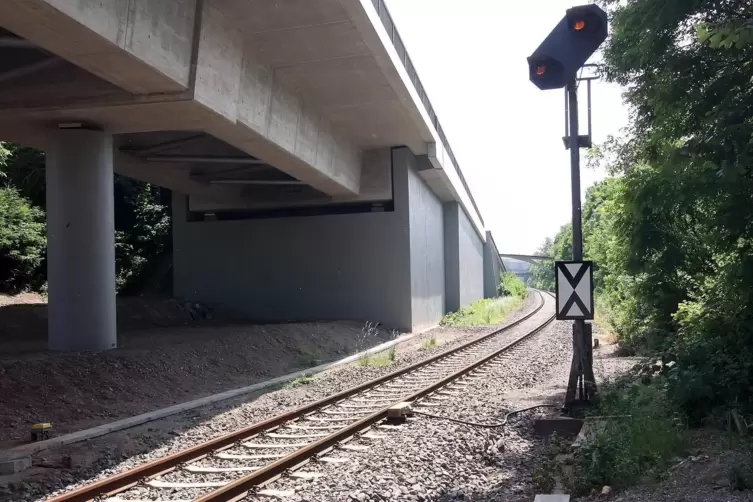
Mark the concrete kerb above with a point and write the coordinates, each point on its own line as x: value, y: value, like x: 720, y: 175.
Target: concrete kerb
x: 19, y: 458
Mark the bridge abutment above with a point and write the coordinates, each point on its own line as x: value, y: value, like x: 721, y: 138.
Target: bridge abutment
x: 385, y: 265
x: 464, y: 259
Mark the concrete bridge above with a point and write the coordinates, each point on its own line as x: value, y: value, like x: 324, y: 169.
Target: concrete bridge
x: 530, y: 259
x: 310, y: 174
x: 521, y: 264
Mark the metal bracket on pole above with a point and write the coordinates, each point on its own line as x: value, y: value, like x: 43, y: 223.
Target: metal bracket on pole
x: 584, y: 140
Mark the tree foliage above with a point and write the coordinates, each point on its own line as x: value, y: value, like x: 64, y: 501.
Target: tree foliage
x: 511, y: 285
x: 142, y: 223
x: 542, y: 273
x: 22, y: 241
x: 671, y: 232
x: 737, y: 34
x: 143, y: 231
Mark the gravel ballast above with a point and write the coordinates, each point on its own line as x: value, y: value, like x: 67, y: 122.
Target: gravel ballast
x: 68, y: 466
x: 432, y: 459
x: 426, y: 459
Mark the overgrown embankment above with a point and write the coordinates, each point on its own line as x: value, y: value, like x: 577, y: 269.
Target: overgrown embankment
x: 671, y: 231
x: 489, y: 311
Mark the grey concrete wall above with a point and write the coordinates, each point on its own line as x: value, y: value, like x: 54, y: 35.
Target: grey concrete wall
x: 464, y: 259
x: 426, y: 247
x: 471, y: 254
x: 492, y: 267
x: 451, y: 257
x: 354, y: 266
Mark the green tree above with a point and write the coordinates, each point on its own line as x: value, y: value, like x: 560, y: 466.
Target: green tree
x: 737, y: 34
x: 142, y: 221
x: 143, y: 231
x: 542, y: 272
x: 672, y: 233
x: 22, y: 242
x: 24, y: 169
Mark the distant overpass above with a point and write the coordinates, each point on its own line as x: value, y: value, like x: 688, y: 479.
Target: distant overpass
x: 311, y: 177
x: 527, y: 258
x: 520, y: 264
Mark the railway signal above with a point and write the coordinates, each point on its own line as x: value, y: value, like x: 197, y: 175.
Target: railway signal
x: 554, y: 65
x: 568, y: 47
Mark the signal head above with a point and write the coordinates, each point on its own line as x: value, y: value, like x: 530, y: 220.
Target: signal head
x: 567, y: 48
x: 588, y: 19
x: 545, y: 72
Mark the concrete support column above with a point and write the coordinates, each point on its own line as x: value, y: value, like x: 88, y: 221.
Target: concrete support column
x: 451, y: 256
x: 80, y: 241
x: 492, y: 267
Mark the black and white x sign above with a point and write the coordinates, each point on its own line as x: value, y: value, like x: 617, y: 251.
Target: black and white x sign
x: 574, y: 286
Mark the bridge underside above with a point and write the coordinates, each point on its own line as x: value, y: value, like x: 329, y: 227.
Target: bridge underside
x: 247, y: 110
x: 403, y: 262
x: 304, y: 86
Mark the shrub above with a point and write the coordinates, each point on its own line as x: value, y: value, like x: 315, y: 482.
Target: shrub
x: 22, y: 242
x: 640, y: 443
x: 511, y: 285
x: 143, y: 233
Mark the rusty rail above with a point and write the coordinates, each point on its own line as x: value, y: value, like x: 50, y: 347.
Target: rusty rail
x: 120, y: 482
x: 241, y: 487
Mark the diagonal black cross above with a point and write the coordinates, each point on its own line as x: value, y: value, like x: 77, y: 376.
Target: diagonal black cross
x: 574, y: 281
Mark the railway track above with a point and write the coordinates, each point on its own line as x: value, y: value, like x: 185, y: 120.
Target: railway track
x: 235, y: 465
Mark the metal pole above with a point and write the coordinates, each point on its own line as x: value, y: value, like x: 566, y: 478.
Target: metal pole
x: 580, y: 367
x: 572, y: 92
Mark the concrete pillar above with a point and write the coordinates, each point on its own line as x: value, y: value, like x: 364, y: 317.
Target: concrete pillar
x: 80, y: 241
x: 451, y: 256
x: 492, y: 267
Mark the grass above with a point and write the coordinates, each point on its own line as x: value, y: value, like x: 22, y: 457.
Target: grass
x: 483, y: 312
x: 602, y: 320
x: 304, y: 380
x: 308, y: 359
x: 639, y: 446
x: 369, y: 333
x: 430, y: 343
x: 379, y: 360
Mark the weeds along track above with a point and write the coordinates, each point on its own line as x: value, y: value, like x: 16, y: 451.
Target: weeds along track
x: 232, y: 466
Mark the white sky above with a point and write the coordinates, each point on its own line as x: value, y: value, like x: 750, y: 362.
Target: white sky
x: 506, y: 134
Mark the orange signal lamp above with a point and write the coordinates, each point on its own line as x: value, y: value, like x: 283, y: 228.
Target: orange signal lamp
x: 541, y: 70
x: 579, y: 25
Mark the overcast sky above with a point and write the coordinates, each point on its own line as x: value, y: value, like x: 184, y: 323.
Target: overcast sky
x: 506, y: 134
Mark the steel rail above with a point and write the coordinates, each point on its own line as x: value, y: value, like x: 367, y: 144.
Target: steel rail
x: 118, y: 483
x: 242, y: 487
